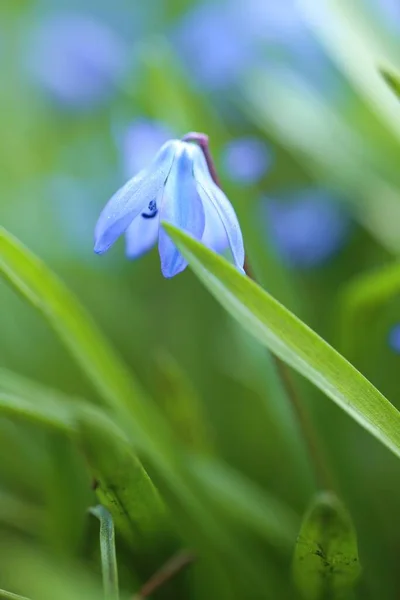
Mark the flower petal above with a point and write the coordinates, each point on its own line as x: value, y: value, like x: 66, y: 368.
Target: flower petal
x: 214, y: 235
x: 132, y: 198
x: 141, y: 235
x: 181, y: 206
x: 222, y: 206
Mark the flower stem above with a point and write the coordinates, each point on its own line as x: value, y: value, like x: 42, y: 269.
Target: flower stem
x: 201, y: 139
x: 322, y: 474
x: 171, y: 568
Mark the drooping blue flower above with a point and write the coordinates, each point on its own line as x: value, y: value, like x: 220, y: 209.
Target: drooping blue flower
x: 76, y: 59
x: 246, y: 159
x: 307, y: 228
x: 176, y: 188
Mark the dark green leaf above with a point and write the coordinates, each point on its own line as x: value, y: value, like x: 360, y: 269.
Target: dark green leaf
x: 179, y: 401
x: 122, y: 485
x: 392, y: 79
x: 241, y: 501
x: 326, y: 560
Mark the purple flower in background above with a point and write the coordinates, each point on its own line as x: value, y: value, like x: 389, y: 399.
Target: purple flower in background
x: 73, y: 211
x: 388, y: 11
x: 247, y: 159
x: 283, y: 38
x: 76, y: 59
x: 270, y: 21
x: 220, y: 41
x: 394, y: 338
x: 176, y: 188
x: 214, y: 44
x: 141, y: 142
x: 307, y: 228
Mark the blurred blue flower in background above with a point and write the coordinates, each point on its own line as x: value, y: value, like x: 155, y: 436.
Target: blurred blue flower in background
x: 72, y: 207
x: 176, y: 188
x: 213, y: 44
x: 247, y: 159
x: 221, y: 41
x: 388, y: 11
x: 282, y: 38
x: 394, y: 338
x: 307, y: 228
x: 141, y: 141
x: 270, y: 21
x: 76, y: 59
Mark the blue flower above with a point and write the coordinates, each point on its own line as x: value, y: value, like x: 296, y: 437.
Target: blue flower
x: 246, y: 159
x: 76, y: 59
x: 394, y: 338
x: 213, y: 44
x: 307, y: 228
x: 176, y: 188
x: 388, y: 12
x: 283, y: 39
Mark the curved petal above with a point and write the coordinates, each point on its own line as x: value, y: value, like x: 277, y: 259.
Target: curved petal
x: 132, y: 198
x: 141, y: 235
x: 181, y: 206
x: 214, y: 235
x: 222, y: 206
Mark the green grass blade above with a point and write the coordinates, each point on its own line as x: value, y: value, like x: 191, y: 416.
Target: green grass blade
x: 31, y: 278
x: 73, y: 324
x: 360, y: 297
x: 38, y: 575
x: 10, y: 596
x: 21, y: 397
x: 392, y: 79
x: 20, y: 514
x: 179, y: 401
x: 292, y: 341
x: 326, y: 563
x: 107, y: 551
x: 122, y: 485
x: 337, y: 153
x: 353, y: 40
x: 245, y: 504
x: 50, y: 414
x: 141, y: 422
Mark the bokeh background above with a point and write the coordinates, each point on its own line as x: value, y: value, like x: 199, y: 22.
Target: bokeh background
x: 307, y: 151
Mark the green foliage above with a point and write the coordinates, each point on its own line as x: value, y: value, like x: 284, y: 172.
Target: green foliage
x: 44, y: 291
x: 121, y: 483
x: 181, y: 405
x: 392, y: 79
x: 362, y: 298
x: 185, y: 434
x: 326, y: 563
x: 292, y: 341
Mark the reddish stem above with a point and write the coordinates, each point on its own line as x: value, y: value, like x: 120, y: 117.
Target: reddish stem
x: 171, y: 568
x: 201, y: 139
